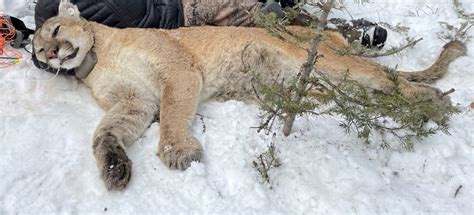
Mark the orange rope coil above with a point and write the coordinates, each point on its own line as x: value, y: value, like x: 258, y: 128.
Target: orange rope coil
x: 8, y: 57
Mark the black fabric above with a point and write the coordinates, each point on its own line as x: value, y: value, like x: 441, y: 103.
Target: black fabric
x: 287, y: 3
x: 20, y: 26
x: 379, y: 34
x: 120, y: 13
x: 283, y: 3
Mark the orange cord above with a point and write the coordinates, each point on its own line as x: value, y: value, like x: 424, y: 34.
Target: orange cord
x: 8, y: 57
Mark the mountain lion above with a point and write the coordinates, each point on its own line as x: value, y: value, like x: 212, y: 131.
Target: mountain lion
x: 142, y: 72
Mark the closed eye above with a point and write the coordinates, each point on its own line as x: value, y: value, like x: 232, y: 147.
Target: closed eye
x: 56, y: 31
x: 40, y: 50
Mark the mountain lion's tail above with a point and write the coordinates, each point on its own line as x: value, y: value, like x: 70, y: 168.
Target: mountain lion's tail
x: 451, y: 52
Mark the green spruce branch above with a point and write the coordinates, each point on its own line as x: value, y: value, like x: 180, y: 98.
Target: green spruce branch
x: 364, y: 111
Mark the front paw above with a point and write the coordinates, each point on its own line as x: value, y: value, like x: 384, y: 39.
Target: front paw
x: 114, y: 166
x: 181, y: 154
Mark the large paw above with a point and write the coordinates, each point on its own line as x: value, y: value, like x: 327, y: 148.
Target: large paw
x: 114, y: 166
x: 180, y: 155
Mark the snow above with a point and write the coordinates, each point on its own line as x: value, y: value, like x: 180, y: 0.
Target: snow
x: 47, y: 166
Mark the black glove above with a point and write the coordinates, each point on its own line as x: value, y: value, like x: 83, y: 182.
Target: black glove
x: 273, y: 8
x: 283, y: 3
x: 287, y: 3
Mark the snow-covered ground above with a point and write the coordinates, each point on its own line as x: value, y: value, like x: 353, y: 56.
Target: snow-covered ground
x: 47, y: 166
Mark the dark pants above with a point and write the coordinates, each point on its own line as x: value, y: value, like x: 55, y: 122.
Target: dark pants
x: 242, y: 13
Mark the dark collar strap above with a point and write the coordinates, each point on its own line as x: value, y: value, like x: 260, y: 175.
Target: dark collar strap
x: 87, y: 65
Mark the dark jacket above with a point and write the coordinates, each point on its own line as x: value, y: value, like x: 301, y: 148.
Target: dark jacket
x: 120, y: 13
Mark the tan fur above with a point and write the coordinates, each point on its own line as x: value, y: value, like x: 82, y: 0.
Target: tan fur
x: 141, y: 71
x: 451, y: 51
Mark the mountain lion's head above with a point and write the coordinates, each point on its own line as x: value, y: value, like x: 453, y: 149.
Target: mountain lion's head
x: 64, y: 40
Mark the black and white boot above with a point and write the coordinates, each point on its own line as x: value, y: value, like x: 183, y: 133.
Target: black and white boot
x: 369, y: 34
x: 373, y: 36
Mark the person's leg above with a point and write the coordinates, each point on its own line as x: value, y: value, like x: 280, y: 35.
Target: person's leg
x: 220, y: 12
x: 242, y: 12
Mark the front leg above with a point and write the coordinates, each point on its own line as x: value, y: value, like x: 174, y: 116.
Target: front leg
x: 179, y: 100
x: 122, y: 125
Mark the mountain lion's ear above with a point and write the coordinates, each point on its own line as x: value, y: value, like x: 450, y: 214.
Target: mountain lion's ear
x: 69, y: 9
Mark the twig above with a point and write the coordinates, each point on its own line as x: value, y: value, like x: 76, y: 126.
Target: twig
x: 200, y: 115
x: 452, y: 90
x: 392, y: 51
x: 203, y: 124
x: 457, y: 191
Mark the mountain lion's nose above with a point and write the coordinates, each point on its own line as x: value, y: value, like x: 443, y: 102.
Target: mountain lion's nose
x: 53, y: 53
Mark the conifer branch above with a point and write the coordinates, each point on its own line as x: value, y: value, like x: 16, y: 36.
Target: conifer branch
x: 367, y: 111
x: 308, y: 66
